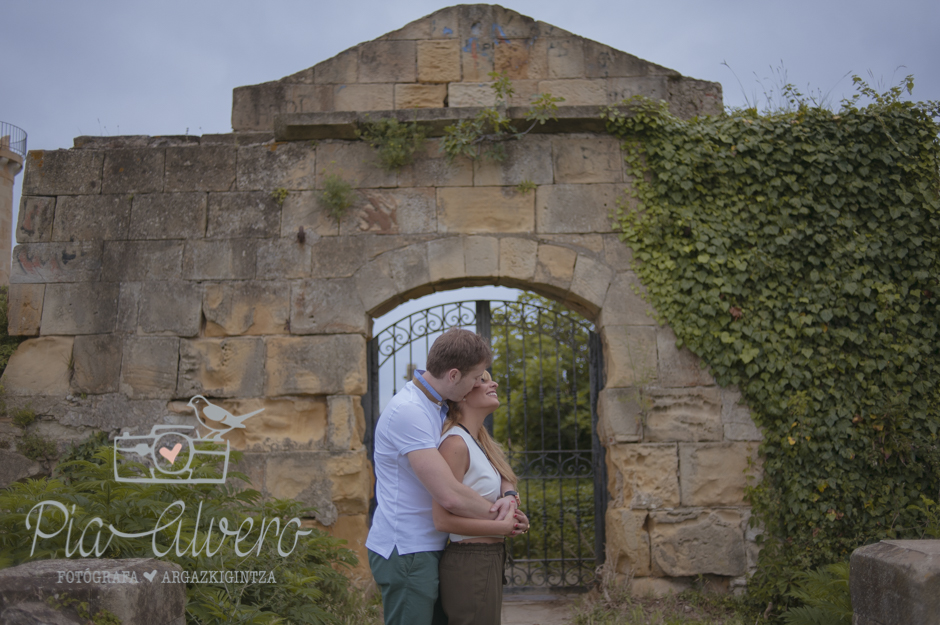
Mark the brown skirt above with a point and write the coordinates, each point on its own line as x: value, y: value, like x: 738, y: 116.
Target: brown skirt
x: 471, y: 577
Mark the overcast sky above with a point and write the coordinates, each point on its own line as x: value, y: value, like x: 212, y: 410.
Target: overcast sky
x: 73, y: 68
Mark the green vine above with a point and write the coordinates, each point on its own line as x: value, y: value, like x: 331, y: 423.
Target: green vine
x: 798, y: 254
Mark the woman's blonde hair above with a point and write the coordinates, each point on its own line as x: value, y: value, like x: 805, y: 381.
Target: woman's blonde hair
x: 492, y: 449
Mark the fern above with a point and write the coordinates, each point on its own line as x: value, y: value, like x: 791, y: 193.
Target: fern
x: 825, y: 595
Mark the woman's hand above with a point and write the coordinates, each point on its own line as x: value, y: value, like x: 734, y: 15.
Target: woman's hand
x: 520, y: 523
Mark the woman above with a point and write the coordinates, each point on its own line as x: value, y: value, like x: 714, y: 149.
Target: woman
x: 471, y: 569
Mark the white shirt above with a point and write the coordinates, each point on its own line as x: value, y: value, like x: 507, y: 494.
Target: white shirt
x: 410, y: 421
x: 482, y: 476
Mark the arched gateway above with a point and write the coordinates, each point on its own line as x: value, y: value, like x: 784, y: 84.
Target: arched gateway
x: 151, y: 269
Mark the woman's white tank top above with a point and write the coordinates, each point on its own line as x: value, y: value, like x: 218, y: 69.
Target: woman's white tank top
x: 481, y: 476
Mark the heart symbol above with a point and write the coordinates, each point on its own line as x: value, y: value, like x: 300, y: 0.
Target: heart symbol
x: 153, y: 573
x: 170, y: 454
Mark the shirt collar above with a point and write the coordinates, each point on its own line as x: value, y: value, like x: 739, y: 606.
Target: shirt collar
x: 429, y: 392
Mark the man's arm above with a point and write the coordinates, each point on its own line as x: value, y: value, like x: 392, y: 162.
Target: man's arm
x: 436, y: 475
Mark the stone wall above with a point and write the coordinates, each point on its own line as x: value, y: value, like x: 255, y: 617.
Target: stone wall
x: 151, y: 269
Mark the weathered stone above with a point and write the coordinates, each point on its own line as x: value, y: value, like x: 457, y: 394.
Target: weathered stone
x: 440, y: 24
x: 576, y: 91
x: 350, y: 482
x: 408, y: 267
x: 653, y: 87
x: 97, y: 360
x: 476, y: 59
x: 291, y: 166
x: 896, y: 582
x: 231, y: 367
x: 285, y: 425
x: 521, y: 59
x: 353, y: 97
x: 91, y: 217
x: 736, y: 417
x: 133, y: 171
x: 114, y: 412
x: 341, y: 257
x: 524, y: 92
x: 482, y: 256
x: 247, y: 308
x: 168, y: 216
x: 393, y: 211
x: 643, y: 476
x: 646, y: 587
x: 35, y: 219
x: 81, y: 308
x: 620, y: 415
x: 411, y: 96
x: 220, y: 260
x: 629, y: 355
x: 315, y: 365
x: 679, y: 367
x: 253, y: 465
x: 63, y: 172
x: 210, y: 168
x: 306, y: 209
x: 309, y: 98
x: 438, y: 60
x: 446, y: 259
x: 15, y: 467
x: 431, y: 168
x: 683, y: 415
x: 341, y: 69
x: 697, y: 542
x: 463, y: 94
x: 570, y: 208
x: 628, y: 543
x: 56, y: 262
x: 243, y: 216
x: 555, y: 266
x: 134, y: 261
x: 353, y: 529
x: 625, y: 303
x: 170, y: 307
x: 565, y: 58
x: 346, y: 423
x: 485, y: 210
x: 591, y: 281
x: 327, y: 307
x: 586, y: 159
x: 714, y: 474
x: 355, y: 162
x: 617, y: 254
x: 301, y: 476
x: 602, y: 61
x: 517, y: 258
x: 39, y: 367
x: 144, y: 602
x: 149, y: 367
x: 689, y: 98
x: 387, y: 61
x: 25, y: 309
x: 254, y: 106
x: 528, y: 160
x: 375, y: 286
x: 128, y: 307
x: 36, y: 613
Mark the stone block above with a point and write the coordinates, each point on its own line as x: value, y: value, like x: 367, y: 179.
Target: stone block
x: 341, y: 69
x: 643, y: 477
x: 346, y: 423
x: 231, y: 367
x: 689, y: 98
x: 714, y: 474
x: 231, y: 259
x: 438, y: 60
x: 114, y: 412
x: 34, y: 220
x: 355, y: 97
x: 590, y: 281
x: 464, y: 94
x: 577, y: 91
x: 149, y: 368
x: 170, y: 307
x: 253, y: 308
x: 254, y: 106
x: 316, y: 365
x: 485, y: 210
x: 653, y: 87
x: 528, y: 160
x: 555, y: 266
x: 39, y: 367
x: 431, y: 168
x: 617, y: 254
x: 375, y: 285
x: 419, y: 96
x: 438, y: 25
x: 301, y: 476
x: 602, y: 61
x: 250, y: 215
x: 736, y: 418
x: 579, y: 159
x: 137, y: 261
x: 24, y: 310
x: 133, y: 171
x: 408, y: 267
x: 629, y: 355
x: 482, y: 256
x: 576, y: 208
x: 521, y: 59
x: 128, y: 307
x: 476, y: 57
x: 646, y: 587
x: 683, y: 414
x: 697, y: 542
x: 209, y: 168
x: 15, y: 467
x: 679, y: 367
x: 620, y: 413
x: 168, y: 216
x: 628, y: 543
x: 525, y: 92
x: 896, y: 582
x: 285, y: 425
x: 309, y: 98
x: 305, y: 209
x: 355, y: 162
x: 517, y: 258
x: 91, y: 217
x: 338, y: 257
x: 327, y: 307
x: 81, y: 308
x: 291, y: 165
x: 43, y: 263
x: 446, y: 259
x: 565, y: 58
x: 625, y: 303
x: 350, y: 482
x: 283, y: 259
x: 353, y: 529
x: 63, y: 172
x: 393, y: 211
x: 97, y: 364
x: 387, y: 61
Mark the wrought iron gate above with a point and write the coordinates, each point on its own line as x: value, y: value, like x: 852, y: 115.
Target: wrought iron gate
x: 548, y: 363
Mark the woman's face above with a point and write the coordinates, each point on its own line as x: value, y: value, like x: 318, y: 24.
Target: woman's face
x: 483, y: 396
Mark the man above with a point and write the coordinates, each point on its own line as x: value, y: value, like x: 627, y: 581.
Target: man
x: 404, y: 548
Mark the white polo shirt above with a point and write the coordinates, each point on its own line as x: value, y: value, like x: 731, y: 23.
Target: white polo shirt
x: 411, y: 421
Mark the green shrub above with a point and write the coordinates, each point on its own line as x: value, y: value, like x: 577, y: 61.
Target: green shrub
x: 396, y: 142
x: 36, y: 447
x: 825, y: 596
x: 337, y: 195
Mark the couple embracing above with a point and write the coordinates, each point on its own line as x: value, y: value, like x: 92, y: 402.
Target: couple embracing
x: 439, y: 475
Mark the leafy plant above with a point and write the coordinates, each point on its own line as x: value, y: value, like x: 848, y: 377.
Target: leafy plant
x: 825, y: 596
x: 337, y: 195
x: 279, y: 195
x: 82, y: 610
x: 396, y: 142
x: 525, y: 186
x: 24, y: 417
x: 36, y: 447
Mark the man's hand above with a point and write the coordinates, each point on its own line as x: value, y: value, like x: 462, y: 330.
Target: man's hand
x: 505, y: 506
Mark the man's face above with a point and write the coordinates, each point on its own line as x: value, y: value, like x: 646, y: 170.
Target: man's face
x: 467, y: 382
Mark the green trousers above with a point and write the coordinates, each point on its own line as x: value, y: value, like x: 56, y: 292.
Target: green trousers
x: 409, y: 586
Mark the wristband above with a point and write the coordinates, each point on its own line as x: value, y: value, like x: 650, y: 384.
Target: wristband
x: 510, y: 493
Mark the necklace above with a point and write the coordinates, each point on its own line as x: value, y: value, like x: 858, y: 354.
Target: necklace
x: 463, y: 427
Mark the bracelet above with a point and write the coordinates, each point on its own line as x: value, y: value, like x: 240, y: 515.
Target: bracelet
x: 510, y: 493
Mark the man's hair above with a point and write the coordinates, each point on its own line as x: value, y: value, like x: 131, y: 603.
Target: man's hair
x: 458, y: 349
